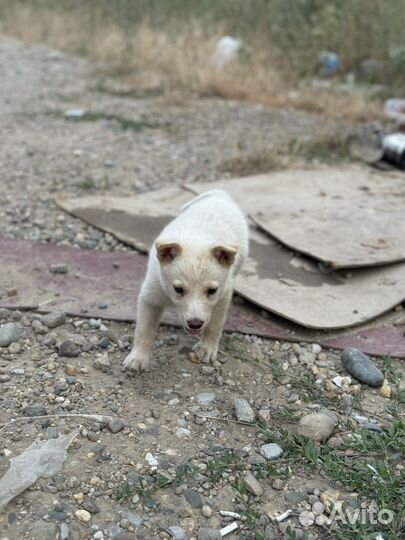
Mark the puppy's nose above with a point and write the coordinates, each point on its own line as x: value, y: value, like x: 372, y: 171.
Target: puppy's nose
x: 195, y: 324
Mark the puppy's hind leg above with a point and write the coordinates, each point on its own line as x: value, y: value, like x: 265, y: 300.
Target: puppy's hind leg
x: 147, y: 322
x: 207, y: 349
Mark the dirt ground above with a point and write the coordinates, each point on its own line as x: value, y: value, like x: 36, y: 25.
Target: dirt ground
x: 174, y: 455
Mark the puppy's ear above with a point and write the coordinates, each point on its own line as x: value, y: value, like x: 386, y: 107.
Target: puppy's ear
x: 167, y: 251
x: 225, y: 255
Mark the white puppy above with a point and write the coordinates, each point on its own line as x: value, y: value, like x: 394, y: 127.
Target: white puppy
x: 192, y: 265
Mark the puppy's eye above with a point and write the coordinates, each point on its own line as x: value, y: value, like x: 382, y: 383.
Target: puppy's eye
x: 179, y: 290
x: 211, y: 291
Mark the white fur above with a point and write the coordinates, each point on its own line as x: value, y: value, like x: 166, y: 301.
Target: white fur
x: 199, y: 251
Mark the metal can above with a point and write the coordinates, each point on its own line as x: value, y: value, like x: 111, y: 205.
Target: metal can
x: 394, y: 149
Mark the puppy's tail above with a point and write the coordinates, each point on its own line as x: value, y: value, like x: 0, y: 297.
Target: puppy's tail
x: 210, y: 193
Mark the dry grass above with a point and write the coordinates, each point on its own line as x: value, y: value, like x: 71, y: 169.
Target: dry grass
x: 175, y: 61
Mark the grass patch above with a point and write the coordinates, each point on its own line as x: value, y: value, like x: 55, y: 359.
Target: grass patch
x: 168, y: 45
x: 368, y: 463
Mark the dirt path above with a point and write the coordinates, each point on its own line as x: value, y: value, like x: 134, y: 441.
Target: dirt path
x: 173, y: 458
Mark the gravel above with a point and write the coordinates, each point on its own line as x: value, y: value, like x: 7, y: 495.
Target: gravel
x: 68, y: 369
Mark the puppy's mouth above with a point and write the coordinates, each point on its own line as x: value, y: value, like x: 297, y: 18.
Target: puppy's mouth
x: 193, y: 331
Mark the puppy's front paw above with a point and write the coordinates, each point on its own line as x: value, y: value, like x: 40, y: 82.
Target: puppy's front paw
x: 136, y: 361
x: 205, y: 351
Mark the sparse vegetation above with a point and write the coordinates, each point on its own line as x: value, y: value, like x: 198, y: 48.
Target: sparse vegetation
x: 165, y: 47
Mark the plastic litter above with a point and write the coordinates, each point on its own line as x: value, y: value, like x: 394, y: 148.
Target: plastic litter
x: 395, y: 110
x: 329, y: 62
x: 394, y: 149
x: 42, y: 458
x: 227, y: 50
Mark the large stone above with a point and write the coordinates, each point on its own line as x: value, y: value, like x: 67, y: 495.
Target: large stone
x: 361, y: 367
x: 9, y: 333
x: 317, y: 426
x: 193, y: 498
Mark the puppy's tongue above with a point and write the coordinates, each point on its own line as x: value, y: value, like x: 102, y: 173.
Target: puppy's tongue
x: 194, y: 332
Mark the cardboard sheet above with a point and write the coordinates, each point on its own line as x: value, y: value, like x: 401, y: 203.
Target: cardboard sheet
x: 346, y: 217
x: 274, y: 278
x: 105, y: 285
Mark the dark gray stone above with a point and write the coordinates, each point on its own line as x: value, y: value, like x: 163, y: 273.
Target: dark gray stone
x: 59, y: 268
x: 68, y: 348
x: 193, y: 498
x: 90, y: 505
x: 115, y: 425
x: 361, y: 367
x: 35, y: 410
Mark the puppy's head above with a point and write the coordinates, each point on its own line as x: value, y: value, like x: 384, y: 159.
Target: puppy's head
x: 194, y: 278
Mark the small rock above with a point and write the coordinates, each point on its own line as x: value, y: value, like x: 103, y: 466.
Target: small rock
x: 102, y: 362
x: 271, y: 451
x: 178, y: 533
x: 342, y: 382
x: 183, y: 433
x: 4, y: 377
x: 209, y: 534
x: 193, y: 498
x: 54, y: 319
x: 206, y: 511
x: 52, y: 432
x: 4, y: 313
x: 14, y: 348
x: 83, y: 515
x: 361, y: 367
x: 104, y: 342
x: 318, y: 508
x: 35, y: 410
x: 38, y: 327
x: 205, y: 398
x: 90, y: 505
x: 207, y: 370
x: 264, y: 415
x: 115, y: 425
x: 386, y: 390
x: 9, y: 333
x: 58, y: 268
x: 278, y: 484
x: 243, y: 411
x: 68, y: 348
x: 70, y: 369
x: 329, y: 498
x: 64, y: 531
x: 321, y: 520
x: 151, y: 460
x: 253, y: 485
x: 317, y: 426
x: 306, y: 518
